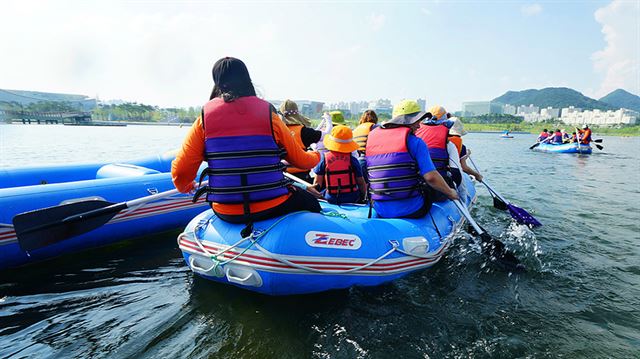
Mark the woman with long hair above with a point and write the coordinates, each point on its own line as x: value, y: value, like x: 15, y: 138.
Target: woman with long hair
x: 243, y: 141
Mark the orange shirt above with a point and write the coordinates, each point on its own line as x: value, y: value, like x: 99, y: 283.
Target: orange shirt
x: 296, y: 132
x: 185, y: 167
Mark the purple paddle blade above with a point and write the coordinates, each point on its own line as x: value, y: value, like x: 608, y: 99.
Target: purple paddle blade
x: 522, y: 216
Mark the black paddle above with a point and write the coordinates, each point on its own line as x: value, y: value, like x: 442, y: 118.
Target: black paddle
x: 535, y: 145
x: 46, y: 226
x: 501, y: 203
x: 491, y: 247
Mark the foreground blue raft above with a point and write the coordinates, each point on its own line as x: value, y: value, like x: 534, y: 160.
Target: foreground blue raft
x: 308, y: 252
x: 564, y: 148
x: 30, y: 188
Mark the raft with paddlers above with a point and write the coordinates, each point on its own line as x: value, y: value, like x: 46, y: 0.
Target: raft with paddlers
x: 305, y: 252
x: 564, y: 148
x: 54, y: 210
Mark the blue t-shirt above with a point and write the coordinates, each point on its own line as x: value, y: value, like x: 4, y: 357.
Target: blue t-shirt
x: 402, y: 207
x: 320, y: 170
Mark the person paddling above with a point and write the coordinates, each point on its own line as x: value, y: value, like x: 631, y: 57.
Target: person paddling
x: 585, y: 134
x: 435, y: 134
x: 338, y: 170
x: 302, y: 134
x: 243, y: 141
x: 543, y: 135
x: 455, y: 136
x: 398, y: 164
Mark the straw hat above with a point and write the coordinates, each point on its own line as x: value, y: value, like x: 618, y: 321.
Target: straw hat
x: 340, y: 140
x: 457, y: 129
x: 291, y: 115
x: 406, y: 113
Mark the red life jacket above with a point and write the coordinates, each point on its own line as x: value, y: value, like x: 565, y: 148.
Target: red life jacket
x: 339, y: 175
x: 242, y: 155
x: 436, y: 138
x: 557, y: 137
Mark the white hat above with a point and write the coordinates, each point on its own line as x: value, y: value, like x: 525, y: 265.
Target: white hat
x: 457, y: 129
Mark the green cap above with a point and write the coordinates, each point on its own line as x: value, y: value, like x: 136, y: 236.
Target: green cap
x: 337, y: 117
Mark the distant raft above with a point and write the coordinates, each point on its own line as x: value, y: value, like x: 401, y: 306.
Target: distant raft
x: 564, y: 148
x: 305, y: 252
x: 27, y: 189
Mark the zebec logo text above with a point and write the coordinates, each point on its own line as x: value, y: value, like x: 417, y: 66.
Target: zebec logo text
x: 333, y: 240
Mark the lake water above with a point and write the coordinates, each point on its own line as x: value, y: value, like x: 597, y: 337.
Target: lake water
x: 579, y: 298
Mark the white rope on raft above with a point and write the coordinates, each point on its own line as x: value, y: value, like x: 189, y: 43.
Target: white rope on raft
x: 256, y: 236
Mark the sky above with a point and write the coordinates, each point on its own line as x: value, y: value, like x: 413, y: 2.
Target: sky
x: 447, y: 52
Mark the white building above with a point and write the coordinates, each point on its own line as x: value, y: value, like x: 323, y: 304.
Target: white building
x: 599, y: 117
x: 549, y: 113
x: 509, y: 109
x: 522, y: 110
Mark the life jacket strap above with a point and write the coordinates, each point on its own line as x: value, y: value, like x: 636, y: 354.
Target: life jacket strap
x: 245, y: 170
x: 391, y: 166
x: 244, y: 154
x: 396, y: 178
x: 394, y: 190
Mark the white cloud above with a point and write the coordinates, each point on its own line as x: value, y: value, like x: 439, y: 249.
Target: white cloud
x: 426, y: 11
x: 376, y: 21
x: 531, y: 10
x: 619, y: 61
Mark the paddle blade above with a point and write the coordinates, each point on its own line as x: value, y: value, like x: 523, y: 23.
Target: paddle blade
x: 522, y: 216
x: 599, y: 147
x: 46, y: 226
x: 534, y: 145
x: 499, y: 254
x: 499, y: 204
x: 598, y: 140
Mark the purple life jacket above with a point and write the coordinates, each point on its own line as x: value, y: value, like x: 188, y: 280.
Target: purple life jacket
x: 242, y: 155
x: 393, y: 172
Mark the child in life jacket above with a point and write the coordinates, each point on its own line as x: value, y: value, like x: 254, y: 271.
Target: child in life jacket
x: 338, y: 170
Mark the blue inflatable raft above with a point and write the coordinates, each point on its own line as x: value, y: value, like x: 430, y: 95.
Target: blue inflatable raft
x: 564, y: 148
x: 31, y: 188
x: 307, y: 252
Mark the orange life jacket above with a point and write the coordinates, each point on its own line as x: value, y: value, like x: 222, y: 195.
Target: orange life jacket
x: 361, y: 133
x: 456, y: 140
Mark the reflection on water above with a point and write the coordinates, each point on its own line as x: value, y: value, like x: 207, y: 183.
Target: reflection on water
x: 580, y: 297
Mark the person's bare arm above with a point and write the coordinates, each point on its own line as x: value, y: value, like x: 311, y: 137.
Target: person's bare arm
x: 435, y: 180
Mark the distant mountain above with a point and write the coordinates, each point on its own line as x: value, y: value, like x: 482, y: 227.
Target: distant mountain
x: 622, y: 99
x: 557, y: 97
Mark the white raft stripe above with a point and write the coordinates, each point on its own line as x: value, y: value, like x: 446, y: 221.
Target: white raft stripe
x: 8, y: 235
x: 384, y: 267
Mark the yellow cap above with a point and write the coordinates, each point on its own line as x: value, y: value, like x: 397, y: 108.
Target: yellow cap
x: 438, y: 111
x: 406, y: 112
